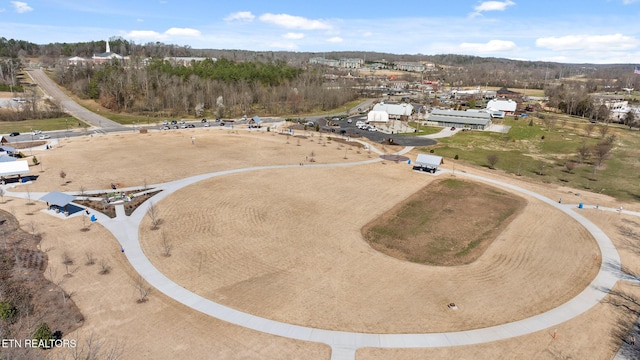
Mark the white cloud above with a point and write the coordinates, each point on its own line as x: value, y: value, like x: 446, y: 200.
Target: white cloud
x: 293, y: 36
x: 139, y: 20
x: 489, y: 47
x: 150, y: 35
x: 335, y: 39
x: 21, y: 7
x: 613, y: 42
x: 182, y: 32
x: 245, y: 16
x: 491, y: 6
x: 628, y: 2
x: 294, y: 22
x: 145, y: 35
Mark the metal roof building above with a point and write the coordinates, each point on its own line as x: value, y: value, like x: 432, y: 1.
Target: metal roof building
x: 456, y: 118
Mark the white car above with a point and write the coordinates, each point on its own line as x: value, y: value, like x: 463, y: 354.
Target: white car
x: 37, y: 132
x: 44, y: 137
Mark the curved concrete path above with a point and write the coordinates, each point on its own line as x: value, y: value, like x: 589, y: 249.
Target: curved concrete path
x: 344, y: 344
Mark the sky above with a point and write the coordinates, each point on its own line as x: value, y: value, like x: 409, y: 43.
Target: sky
x: 568, y: 31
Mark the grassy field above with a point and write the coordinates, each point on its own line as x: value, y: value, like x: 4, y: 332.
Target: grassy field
x: 26, y: 126
x: 540, y: 153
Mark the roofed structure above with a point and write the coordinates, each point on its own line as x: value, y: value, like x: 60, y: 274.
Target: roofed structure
x: 476, y: 120
x: 57, y: 198
x: 18, y: 167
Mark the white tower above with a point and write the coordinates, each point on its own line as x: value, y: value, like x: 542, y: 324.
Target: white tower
x: 108, y: 47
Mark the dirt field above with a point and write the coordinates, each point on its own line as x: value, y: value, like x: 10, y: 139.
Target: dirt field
x: 286, y: 244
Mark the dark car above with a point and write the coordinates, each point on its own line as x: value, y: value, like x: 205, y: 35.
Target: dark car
x: 174, y: 122
x: 203, y: 120
x: 221, y: 124
x: 190, y: 126
x: 15, y: 133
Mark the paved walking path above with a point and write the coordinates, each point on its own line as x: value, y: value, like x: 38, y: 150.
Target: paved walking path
x: 345, y: 344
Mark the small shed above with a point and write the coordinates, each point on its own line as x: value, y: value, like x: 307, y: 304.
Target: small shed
x: 426, y: 162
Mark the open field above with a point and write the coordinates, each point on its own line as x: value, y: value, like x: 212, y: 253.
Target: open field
x: 286, y: 244
x: 541, y: 152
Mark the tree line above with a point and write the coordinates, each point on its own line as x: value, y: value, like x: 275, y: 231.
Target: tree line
x: 222, y: 88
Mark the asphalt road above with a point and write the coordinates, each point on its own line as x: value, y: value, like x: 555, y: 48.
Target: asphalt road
x: 79, y: 112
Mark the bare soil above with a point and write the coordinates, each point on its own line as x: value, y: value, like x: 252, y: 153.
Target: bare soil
x: 449, y: 222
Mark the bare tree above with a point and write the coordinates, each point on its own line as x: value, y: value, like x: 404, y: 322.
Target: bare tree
x: 588, y: 129
x: 152, y: 212
x: 492, y: 159
x: 142, y: 289
x: 67, y: 261
x: 105, y: 268
x: 166, y: 245
x: 90, y: 258
x: 570, y: 165
x: 63, y: 175
x: 603, y: 129
x: 600, y: 153
x: 584, y: 152
x: 93, y: 348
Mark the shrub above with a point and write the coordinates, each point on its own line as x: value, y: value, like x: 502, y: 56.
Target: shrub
x: 455, y: 157
x: 431, y: 151
x: 43, y: 332
x: 35, y: 160
x: 7, y: 311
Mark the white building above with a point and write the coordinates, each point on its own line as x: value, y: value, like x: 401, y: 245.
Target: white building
x: 507, y: 105
x: 395, y: 111
x: 377, y: 116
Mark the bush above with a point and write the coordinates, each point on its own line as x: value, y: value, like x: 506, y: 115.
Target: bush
x: 7, y: 311
x: 455, y: 157
x: 35, y: 161
x: 43, y: 333
x: 431, y: 151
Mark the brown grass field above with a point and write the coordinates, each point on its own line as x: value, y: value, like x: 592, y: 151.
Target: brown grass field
x: 286, y: 244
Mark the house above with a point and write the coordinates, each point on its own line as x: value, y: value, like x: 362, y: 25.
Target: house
x: 77, y: 60
x: 476, y: 120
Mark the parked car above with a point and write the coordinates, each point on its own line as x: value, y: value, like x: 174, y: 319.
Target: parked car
x: 190, y: 126
x: 174, y: 122
x: 15, y: 133
x: 44, y: 137
x: 166, y: 127
x: 349, y: 121
x: 221, y: 124
x: 165, y: 122
x: 206, y: 124
x: 37, y: 132
x: 453, y: 128
x: 217, y: 119
x: 203, y: 120
x: 310, y: 123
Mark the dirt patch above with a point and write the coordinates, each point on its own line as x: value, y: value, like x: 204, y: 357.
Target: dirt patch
x: 27, y: 144
x: 450, y: 222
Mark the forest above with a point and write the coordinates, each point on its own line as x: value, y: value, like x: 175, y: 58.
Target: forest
x: 273, y: 83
